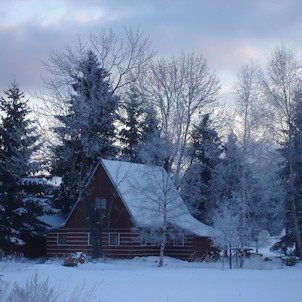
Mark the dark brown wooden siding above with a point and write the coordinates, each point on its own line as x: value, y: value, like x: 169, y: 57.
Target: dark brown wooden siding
x: 76, y: 241
x: 116, y: 214
x: 129, y: 245
x: 203, y: 248
x: 34, y: 246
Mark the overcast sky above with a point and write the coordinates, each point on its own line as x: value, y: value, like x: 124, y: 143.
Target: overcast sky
x: 227, y: 32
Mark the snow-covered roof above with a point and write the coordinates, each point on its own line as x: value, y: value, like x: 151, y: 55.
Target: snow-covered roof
x: 53, y: 221
x: 147, y: 191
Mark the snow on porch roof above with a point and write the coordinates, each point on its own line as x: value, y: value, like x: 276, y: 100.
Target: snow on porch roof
x: 146, y: 191
x: 53, y: 221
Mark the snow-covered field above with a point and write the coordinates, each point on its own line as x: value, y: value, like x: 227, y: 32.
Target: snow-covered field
x: 140, y: 280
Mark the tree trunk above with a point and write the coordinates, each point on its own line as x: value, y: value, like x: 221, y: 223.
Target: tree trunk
x: 294, y: 207
x: 93, y: 216
x: 96, y: 243
x: 257, y: 245
x: 296, y: 224
x: 164, y: 229
x: 95, y: 228
x: 241, y: 258
x: 162, y: 247
x: 244, y: 209
x: 230, y: 256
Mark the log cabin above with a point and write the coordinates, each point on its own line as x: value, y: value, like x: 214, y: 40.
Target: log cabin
x: 133, y: 203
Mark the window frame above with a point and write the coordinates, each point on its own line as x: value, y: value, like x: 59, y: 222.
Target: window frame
x: 146, y: 239
x: 179, y: 240
x: 143, y: 239
x: 110, y: 241
x: 100, y: 203
x: 61, y: 239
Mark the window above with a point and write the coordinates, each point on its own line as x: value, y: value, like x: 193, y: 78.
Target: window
x: 61, y: 239
x: 100, y: 204
x: 179, y: 240
x: 143, y: 239
x: 114, y: 239
x: 147, y: 238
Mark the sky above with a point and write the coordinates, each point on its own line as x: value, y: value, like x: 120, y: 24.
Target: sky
x: 228, y: 33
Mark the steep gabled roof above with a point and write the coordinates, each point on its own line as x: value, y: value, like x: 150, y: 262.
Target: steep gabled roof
x: 147, y: 191
x: 63, y: 223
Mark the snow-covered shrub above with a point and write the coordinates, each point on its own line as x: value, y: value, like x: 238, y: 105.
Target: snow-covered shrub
x: 34, y: 291
x: 290, y: 261
x: 13, y: 257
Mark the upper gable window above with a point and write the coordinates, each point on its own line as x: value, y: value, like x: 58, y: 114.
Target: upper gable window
x: 100, y: 203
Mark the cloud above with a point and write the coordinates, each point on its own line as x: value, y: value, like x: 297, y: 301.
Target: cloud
x: 228, y: 33
x: 53, y: 14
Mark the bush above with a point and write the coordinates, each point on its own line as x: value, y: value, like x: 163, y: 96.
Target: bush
x: 291, y: 261
x: 39, y: 291
x: 34, y: 291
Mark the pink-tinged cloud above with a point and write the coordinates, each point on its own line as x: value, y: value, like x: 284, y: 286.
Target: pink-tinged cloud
x: 228, y: 33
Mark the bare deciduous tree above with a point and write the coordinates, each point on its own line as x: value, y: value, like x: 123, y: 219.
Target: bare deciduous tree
x: 227, y: 223
x: 181, y: 88
x: 123, y: 58
x: 249, y: 118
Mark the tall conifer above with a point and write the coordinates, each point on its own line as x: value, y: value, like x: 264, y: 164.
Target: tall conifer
x: 18, y: 142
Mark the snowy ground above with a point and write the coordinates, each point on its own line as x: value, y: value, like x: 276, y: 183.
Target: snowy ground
x: 140, y: 280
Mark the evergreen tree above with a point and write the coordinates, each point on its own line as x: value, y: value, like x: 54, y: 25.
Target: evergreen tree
x: 226, y: 178
x: 130, y: 135
x: 282, y: 81
x: 225, y: 189
x: 66, y: 164
x: 257, y: 207
x: 204, y: 153
x: 292, y: 176
x: 85, y: 133
x: 150, y: 124
x: 153, y: 149
x: 19, y: 207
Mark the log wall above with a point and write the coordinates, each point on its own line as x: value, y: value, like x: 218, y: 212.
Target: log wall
x: 129, y: 245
